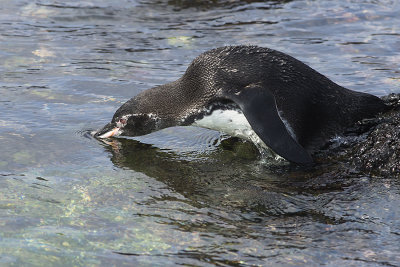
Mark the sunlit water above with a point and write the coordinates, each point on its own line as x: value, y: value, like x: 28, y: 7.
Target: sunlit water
x: 182, y: 195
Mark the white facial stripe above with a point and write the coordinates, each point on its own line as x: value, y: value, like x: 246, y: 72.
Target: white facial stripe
x: 123, y: 120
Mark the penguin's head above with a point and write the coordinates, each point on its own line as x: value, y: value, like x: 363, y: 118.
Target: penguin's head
x: 128, y: 120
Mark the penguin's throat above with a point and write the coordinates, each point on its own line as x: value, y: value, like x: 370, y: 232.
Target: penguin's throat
x: 231, y: 122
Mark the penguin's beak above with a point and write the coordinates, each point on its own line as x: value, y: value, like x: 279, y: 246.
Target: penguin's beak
x: 111, y: 129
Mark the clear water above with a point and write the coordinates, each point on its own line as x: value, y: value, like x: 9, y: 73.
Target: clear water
x: 184, y: 196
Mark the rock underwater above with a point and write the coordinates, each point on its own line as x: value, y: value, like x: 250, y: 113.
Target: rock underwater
x: 372, y: 146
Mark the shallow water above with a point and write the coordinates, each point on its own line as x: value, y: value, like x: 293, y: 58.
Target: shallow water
x: 183, y: 195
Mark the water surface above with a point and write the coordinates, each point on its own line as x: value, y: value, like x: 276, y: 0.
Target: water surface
x: 183, y: 195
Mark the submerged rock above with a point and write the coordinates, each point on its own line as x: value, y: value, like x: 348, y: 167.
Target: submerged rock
x: 372, y: 146
x: 379, y: 153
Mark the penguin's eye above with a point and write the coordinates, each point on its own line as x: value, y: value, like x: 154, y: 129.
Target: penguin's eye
x: 121, y: 122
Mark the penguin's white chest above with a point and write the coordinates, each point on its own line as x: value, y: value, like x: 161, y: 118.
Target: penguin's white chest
x: 231, y: 122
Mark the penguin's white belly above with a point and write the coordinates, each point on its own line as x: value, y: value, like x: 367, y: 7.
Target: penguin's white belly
x: 231, y: 122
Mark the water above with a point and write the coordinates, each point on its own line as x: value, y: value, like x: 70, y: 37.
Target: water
x: 183, y: 195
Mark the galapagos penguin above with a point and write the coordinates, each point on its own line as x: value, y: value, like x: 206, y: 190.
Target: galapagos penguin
x: 252, y: 92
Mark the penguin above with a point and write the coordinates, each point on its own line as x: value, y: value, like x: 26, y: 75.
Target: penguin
x: 251, y: 92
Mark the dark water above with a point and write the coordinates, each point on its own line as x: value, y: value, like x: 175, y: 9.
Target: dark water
x: 183, y: 195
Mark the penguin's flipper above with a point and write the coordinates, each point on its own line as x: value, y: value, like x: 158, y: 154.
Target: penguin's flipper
x: 259, y: 107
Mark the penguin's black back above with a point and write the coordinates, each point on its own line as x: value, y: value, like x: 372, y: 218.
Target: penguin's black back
x: 314, y: 106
